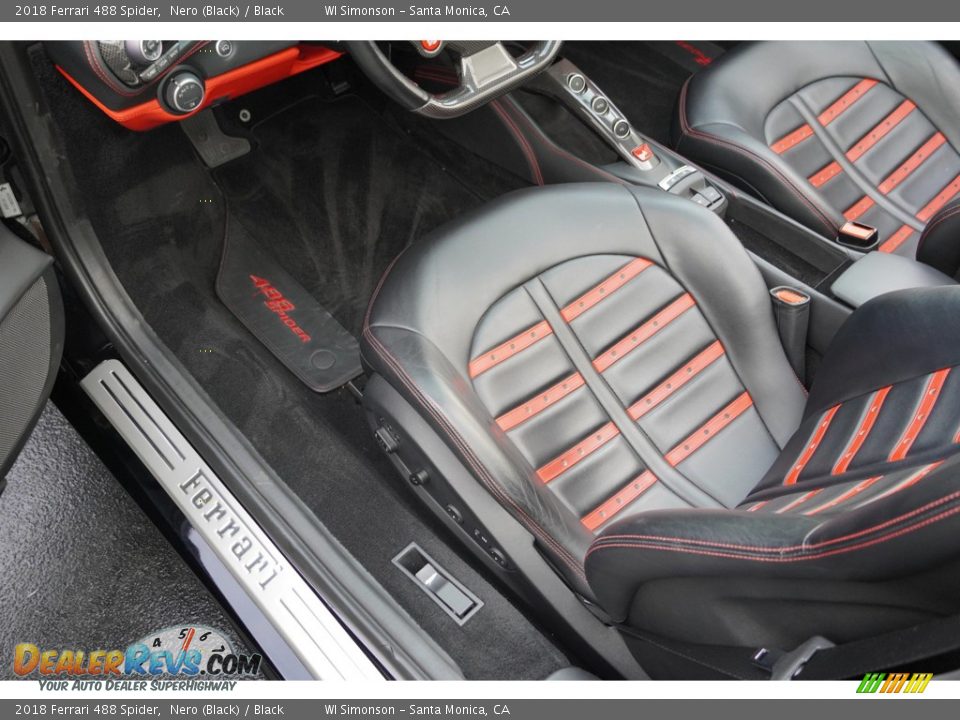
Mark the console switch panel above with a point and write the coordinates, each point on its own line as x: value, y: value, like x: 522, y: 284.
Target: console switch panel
x: 580, y: 94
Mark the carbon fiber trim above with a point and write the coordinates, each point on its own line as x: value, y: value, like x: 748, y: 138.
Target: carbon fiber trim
x: 115, y: 58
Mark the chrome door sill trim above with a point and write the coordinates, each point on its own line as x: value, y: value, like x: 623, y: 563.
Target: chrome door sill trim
x: 321, y: 643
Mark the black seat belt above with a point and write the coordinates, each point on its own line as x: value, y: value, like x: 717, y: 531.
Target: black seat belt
x: 892, y: 650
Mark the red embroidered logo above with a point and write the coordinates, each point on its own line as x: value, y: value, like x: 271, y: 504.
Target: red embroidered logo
x: 699, y: 57
x: 278, y: 304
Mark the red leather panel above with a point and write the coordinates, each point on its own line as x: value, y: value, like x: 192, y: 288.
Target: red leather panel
x: 231, y: 84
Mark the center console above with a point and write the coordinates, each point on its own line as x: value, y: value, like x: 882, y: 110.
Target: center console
x: 642, y: 161
x: 878, y: 273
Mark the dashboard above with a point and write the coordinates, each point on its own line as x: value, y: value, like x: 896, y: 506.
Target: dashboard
x: 145, y: 83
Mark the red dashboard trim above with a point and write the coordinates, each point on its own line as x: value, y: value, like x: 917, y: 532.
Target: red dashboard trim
x: 231, y: 84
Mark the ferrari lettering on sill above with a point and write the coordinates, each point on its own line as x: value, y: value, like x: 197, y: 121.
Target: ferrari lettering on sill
x: 246, y: 549
x: 277, y: 303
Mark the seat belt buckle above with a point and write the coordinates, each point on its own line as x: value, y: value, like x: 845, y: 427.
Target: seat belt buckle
x: 790, y: 296
x: 791, y: 309
x: 787, y: 665
x: 858, y: 236
x: 766, y: 658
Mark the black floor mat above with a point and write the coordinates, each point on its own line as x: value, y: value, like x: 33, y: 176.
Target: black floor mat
x: 335, y: 212
x: 276, y: 309
x: 340, y: 190
x: 692, y: 56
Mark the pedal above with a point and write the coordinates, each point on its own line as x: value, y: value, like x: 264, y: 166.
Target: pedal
x: 337, y: 78
x: 214, y: 146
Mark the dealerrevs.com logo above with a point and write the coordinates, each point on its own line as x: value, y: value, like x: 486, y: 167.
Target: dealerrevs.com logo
x: 176, y: 652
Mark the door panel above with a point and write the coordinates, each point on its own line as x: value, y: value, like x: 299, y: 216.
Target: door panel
x: 31, y: 340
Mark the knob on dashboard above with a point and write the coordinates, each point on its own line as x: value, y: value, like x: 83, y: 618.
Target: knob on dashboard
x: 143, y: 52
x: 184, y: 91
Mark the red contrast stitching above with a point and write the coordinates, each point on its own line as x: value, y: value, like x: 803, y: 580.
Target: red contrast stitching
x: 521, y: 141
x: 787, y: 548
x: 816, y: 556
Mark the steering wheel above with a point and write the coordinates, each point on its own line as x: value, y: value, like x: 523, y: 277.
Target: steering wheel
x: 486, y: 71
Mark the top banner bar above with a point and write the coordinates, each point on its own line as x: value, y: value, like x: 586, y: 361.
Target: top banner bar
x: 580, y: 11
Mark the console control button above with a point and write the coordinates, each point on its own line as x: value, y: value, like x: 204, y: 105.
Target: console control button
x: 621, y: 128
x: 386, y: 440
x: 643, y: 153
x: 421, y: 477
x: 498, y: 557
x: 711, y: 193
x: 454, y: 514
x: 162, y: 64
x: 676, y: 176
x: 184, y: 92
x: 143, y: 52
x: 577, y: 83
x: 224, y: 48
x: 600, y: 105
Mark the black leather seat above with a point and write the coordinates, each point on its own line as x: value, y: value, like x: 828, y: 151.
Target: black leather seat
x: 834, y: 131
x: 605, y: 363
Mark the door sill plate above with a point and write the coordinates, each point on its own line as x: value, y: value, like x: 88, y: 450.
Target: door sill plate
x: 321, y: 643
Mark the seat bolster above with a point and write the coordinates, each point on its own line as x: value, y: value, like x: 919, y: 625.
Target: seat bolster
x: 890, y: 339
x: 744, y: 85
x: 897, y: 536
x: 416, y: 368
x: 929, y: 75
x: 681, y: 543
x: 939, y: 244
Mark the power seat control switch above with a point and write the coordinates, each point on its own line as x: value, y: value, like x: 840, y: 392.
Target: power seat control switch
x: 449, y: 594
x: 452, y: 596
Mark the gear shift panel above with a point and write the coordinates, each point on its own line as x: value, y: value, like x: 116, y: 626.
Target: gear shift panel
x: 643, y: 162
x: 577, y: 92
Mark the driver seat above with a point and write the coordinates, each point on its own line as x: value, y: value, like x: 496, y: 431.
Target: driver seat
x: 604, y: 363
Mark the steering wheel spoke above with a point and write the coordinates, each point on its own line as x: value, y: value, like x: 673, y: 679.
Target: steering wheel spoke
x: 486, y: 71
